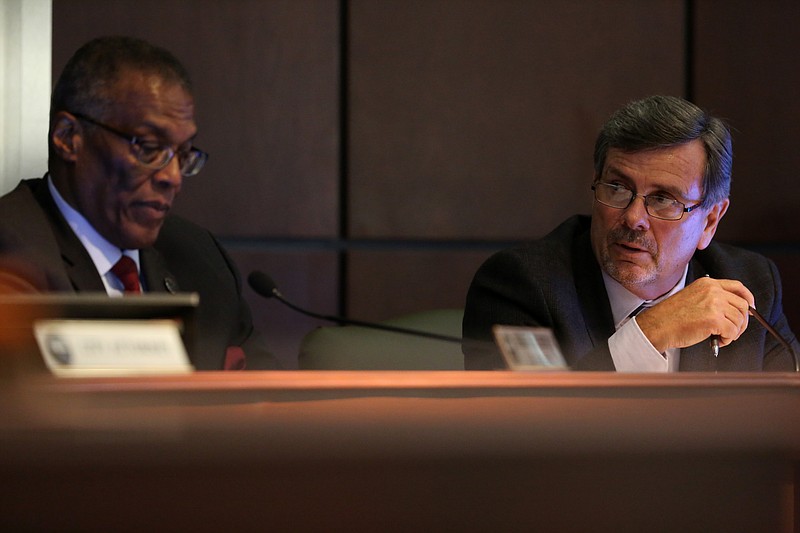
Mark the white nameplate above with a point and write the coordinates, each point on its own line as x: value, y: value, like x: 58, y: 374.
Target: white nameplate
x: 111, y: 347
x: 529, y: 348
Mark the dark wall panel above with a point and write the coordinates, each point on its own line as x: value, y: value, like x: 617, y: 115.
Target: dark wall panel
x: 266, y: 84
x: 477, y: 119
x: 466, y: 120
x: 747, y: 71
x: 388, y: 283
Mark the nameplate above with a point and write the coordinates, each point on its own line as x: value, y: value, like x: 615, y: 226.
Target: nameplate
x: 77, y: 348
x: 526, y: 348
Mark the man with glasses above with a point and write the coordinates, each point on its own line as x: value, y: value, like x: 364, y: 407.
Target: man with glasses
x: 639, y: 286
x: 121, y: 144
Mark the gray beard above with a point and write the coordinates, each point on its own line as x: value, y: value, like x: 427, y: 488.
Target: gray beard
x: 627, y: 278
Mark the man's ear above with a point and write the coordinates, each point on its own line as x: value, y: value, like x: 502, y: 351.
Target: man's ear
x: 713, y: 217
x: 66, y: 135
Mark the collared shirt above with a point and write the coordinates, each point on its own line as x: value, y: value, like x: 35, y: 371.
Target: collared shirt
x: 104, y: 254
x: 630, y: 349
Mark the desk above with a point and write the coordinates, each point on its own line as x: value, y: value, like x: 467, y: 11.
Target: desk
x: 402, y: 451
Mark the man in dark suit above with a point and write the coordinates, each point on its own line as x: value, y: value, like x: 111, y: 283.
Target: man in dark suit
x: 120, y: 144
x: 639, y: 286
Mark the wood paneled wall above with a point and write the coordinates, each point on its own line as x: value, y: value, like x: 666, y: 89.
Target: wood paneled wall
x: 369, y: 154
x: 746, y: 69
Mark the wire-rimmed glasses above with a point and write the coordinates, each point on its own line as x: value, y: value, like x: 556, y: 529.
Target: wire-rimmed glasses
x: 657, y: 206
x: 156, y: 156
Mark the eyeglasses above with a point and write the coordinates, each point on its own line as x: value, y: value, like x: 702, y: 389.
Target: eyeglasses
x: 657, y: 206
x: 156, y: 156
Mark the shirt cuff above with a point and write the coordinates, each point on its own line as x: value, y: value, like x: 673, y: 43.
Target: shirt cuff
x: 633, y: 352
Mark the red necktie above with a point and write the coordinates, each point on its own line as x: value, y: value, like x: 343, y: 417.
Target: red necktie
x: 125, y: 270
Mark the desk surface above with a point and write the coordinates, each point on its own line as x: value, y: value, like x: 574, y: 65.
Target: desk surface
x: 432, y: 380
x: 409, y: 450
x: 431, y: 412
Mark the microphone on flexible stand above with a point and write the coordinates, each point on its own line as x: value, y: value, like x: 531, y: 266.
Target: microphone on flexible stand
x: 264, y: 286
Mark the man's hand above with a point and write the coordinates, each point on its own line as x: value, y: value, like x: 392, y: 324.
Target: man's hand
x: 704, y: 308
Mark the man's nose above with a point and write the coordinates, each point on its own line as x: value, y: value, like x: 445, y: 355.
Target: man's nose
x: 636, y: 215
x: 170, y: 175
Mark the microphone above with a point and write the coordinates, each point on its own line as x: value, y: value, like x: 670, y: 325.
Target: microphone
x: 262, y: 284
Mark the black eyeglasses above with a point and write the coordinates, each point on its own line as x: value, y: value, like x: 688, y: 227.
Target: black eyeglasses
x: 153, y: 155
x: 657, y: 206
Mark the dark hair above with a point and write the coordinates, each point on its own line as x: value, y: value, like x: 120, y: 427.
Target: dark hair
x: 663, y: 121
x: 84, y: 84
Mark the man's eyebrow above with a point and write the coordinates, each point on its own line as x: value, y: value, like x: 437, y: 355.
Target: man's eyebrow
x: 674, y: 191
x: 190, y: 139
x: 615, y: 171
x: 161, y: 132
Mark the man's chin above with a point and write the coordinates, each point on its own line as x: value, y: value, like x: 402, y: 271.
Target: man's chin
x: 631, y: 275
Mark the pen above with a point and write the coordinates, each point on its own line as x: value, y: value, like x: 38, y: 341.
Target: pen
x: 715, y: 345
x: 714, y: 341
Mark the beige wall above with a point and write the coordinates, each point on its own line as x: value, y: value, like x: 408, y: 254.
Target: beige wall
x: 370, y: 154
x: 24, y: 89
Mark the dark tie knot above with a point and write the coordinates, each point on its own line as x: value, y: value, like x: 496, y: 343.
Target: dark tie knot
x: 642, y: 307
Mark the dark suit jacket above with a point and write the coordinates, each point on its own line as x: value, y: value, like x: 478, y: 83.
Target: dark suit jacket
x: 556, y: 283
x: 37, y: 244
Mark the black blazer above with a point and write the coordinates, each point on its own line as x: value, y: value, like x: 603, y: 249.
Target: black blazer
x: 556, y: 282
x: 37, y: 244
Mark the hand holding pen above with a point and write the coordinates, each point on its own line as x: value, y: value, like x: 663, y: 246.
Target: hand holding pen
x: 707, y: 309
x: 714, y: 309
x: 752, y: 312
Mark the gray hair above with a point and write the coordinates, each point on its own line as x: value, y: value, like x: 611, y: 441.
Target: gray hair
x: 663, y: 121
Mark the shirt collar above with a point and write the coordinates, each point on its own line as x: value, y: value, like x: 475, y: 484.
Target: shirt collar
x: 104, y: 254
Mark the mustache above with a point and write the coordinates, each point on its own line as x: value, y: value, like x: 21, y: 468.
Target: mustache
x: 629, y: 236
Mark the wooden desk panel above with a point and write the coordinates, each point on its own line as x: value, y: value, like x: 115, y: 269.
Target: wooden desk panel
x: 399, y: 451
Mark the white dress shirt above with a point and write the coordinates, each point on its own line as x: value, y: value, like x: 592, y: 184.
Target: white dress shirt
x: 103, y: 253
x: 630, y: 349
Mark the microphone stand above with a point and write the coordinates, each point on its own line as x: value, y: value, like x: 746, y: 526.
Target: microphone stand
x: 353, y: 322
x: 262, y: 284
